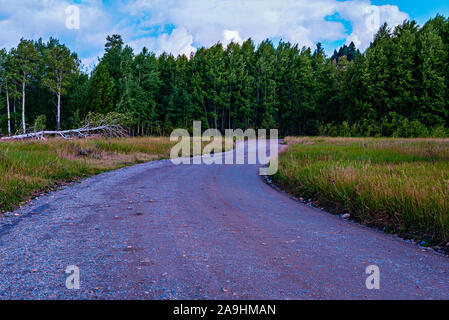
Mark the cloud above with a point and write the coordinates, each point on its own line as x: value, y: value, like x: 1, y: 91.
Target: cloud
x: 366, y: 20
x: 33, y: 19
x: 181, y: 26
x: 231, y: 36
x: 178, y: 42
x: 297, y: 21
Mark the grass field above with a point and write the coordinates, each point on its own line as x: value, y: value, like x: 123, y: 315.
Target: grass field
x: 30, y: 167
x: 401, y: 185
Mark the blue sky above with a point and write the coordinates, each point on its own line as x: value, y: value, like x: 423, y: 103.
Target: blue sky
x: 419, y: 10
x: 181, y: 26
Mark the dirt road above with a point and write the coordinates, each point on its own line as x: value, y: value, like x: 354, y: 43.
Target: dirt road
x: 160, y: 231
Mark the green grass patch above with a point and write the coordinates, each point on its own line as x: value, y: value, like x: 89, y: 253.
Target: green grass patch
x: 30, y: 167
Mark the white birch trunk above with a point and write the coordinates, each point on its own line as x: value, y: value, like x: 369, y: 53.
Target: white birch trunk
x: 23, y: 109
x: 8, y: 111
x: 58, y: 117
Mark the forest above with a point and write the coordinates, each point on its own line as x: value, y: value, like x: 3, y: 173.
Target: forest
x: 398, y: 87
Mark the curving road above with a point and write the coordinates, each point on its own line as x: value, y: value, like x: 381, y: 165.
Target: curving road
x: 160, y: 231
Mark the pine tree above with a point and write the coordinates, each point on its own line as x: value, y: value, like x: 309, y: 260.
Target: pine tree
x: 266, y: 85
x: 149, y: 82
x: 112, y: 60
x: 432, y: 56
x: 102, y: 91
x: 378, y: 73
x: 403, y: 69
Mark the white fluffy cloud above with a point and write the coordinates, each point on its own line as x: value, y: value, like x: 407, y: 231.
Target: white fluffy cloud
x: 189, y: 24
x: 366, y: 20
x: 231, y: 36
x: 179, y: 41
x: 297, y: 21
x: 33, y: 19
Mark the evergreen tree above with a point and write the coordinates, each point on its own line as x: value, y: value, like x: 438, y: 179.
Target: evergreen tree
x: 432, y: 55
x: 403, y: 81
x: 102, y: 91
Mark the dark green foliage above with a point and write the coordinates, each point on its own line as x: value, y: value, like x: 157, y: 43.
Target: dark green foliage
x: 102, y: 91
x: 350, y: 52
x: 397, y: 87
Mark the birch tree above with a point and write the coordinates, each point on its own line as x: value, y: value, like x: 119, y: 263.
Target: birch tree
x: 4, y: 84
x: 26, y: 58
x: 60, y: 66
x: 8, y: 80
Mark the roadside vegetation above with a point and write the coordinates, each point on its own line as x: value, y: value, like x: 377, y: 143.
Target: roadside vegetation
x: 400, y: 185
x: 28, y: 168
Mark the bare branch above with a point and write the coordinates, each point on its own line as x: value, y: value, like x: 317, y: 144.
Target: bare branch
x: 86, y: 131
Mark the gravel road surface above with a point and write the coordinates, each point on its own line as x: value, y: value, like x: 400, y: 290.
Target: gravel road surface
x: 160, y: 231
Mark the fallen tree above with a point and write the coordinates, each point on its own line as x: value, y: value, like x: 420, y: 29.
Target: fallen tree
x: 108, y: 125
x: 105, y: 130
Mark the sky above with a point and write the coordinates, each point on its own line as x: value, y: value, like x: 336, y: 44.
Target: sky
x: 183, y: 26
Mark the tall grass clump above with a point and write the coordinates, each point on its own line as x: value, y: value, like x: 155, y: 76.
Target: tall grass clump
x: 399, y: 184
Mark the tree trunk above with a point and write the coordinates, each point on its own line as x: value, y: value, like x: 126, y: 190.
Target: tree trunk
x: 14, y: 110
x: 230, y: 106
x: 81, y: 132
x: 58, y: 117
x: 23, y: 109
x: 8, y: 111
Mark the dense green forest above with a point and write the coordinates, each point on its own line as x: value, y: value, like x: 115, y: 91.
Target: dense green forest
x: 398, y: 87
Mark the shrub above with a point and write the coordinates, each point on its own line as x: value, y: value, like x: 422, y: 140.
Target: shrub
x: 410, y: 129
x: 40, y: 123
x: 124, y: 120
x: 440, y: 132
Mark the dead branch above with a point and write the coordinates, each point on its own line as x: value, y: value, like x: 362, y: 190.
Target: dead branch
x: 104, y: 130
